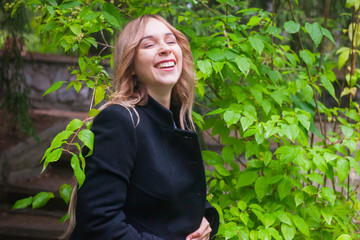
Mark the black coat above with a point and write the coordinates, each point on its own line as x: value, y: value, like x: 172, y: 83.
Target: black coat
x: 143, y: 182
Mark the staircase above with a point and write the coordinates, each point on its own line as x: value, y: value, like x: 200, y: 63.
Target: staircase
x: 42, y: 223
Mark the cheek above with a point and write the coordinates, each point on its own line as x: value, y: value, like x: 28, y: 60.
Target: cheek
x: 179, y: 56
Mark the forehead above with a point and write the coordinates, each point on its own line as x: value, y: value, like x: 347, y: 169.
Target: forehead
x: 156, y: 27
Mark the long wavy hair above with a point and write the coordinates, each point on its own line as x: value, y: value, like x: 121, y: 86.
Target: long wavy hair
x: 129, y: 91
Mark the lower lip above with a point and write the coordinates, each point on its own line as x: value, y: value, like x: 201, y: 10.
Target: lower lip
x: 166, y: 69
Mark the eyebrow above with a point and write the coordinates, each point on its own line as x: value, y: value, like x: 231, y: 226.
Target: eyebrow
x: 152, y: 36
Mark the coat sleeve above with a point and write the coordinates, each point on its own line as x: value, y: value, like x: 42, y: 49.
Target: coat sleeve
x: 100, y: 202
x: 212, y: 216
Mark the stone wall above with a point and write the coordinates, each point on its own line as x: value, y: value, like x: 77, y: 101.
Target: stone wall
x: 41, y: 71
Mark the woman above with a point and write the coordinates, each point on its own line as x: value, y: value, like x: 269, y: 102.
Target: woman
x: 145, y: 178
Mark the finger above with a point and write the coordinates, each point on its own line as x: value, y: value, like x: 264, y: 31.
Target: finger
x: 201, y: 232
x: 205, y: 235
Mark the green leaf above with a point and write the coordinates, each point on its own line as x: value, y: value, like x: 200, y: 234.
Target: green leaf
x: 231, y: 117
x: 87, y: 137
x: 320, y: 162
x: 99, y: 94
x: 244, y: 217
x: 77, y: 86
x: 257, y: 43
x: 304, y: 120
x: 328, y: 194
x: 228, y: 154
x: 93, y: 112
x: 54, y: 87
x: 273, y: 30
x: 266, y: 105
x: 307, y: 56
x: 92, y: 41
x: 212, y: 158
x: 50, y: 10
x: 246, y: 122
x: 261, y: 187
x: 350, y: 144
x: 78, y: 172
x: 301, y: 225
x: 246, y: 178
x: 52, y: 2
x: 82, y: 65
x: 222, y: 170
x: 243, y: 64
x: 284, y: 188
x: 287, y: 231
x: 54, y: 155
x: 268, y: 219
x: 343, y: 58
x: 74, y: 124
x: 60, y: 138
x: 76, y: 29
x: 287, y: 153
x: 111, y: 15
x: 257, y: 93
x: 291, y: 131
x: 350, y: 4
x: 91, y: 16
x: 71, y: 4
x: 205, y: 67
x: 267, y: 157
x: 23, y: 203
x: 299, y: 198
x: 216, y: 54
x: 342, y: 169
x: 283, y: 217
x: 315, y: 32
x: 84, y: 48
x: 279, y: 96
x: 49, y: 26
x: 327, y: 214
x: 64, y: 218
x: 41, y: 199
x: 65, y: 192
x: 242, y: 205
x: 327, y: 34
x: 310, y: 189
x: 354, y: 164
x: 328, y: 86
x: 291, y: 27
x: 344, y: 237
x: 315, y: 177
x: 347, y: 131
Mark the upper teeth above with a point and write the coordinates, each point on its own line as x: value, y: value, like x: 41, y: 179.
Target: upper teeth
x: 165, y: 64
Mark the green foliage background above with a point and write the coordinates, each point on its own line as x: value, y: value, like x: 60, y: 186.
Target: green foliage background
x: 264, y: 78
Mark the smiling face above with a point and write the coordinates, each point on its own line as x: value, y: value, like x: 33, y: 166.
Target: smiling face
x: 158, y: 60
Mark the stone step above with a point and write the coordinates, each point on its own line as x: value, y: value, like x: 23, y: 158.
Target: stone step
x: 50, y: 181
x: 20, y: 226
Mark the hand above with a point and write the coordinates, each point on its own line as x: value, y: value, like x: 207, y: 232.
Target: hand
x: 202, y: 233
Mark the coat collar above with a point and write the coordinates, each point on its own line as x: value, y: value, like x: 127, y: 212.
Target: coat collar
x: 159, y: 113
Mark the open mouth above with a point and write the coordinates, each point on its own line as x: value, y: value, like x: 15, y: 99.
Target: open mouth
x: 165, y: 65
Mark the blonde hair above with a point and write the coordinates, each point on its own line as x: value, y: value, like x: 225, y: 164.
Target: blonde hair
x: 128, y: 91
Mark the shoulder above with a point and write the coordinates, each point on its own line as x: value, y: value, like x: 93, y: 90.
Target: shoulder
x: 115, y: 114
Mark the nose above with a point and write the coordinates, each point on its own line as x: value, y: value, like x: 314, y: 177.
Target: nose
x: 164, y: 50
